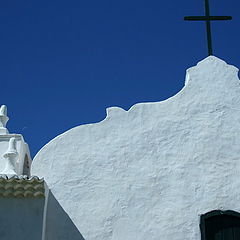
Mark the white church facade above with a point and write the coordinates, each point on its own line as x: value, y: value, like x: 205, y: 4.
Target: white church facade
x: 166, y: 170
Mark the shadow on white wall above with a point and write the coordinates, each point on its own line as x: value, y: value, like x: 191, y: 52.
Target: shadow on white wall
x: 58, y: 225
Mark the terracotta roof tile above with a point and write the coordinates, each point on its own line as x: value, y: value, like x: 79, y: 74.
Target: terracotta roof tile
x: 21, y: 187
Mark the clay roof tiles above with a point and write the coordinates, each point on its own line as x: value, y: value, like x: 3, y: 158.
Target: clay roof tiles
x: 21, y: 187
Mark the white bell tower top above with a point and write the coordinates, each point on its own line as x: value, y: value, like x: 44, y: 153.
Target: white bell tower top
x: 15, y: 157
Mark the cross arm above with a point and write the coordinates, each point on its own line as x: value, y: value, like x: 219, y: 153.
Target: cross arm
x: 210, y: 18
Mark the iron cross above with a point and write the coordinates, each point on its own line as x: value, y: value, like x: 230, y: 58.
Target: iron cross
x: 208, y: 20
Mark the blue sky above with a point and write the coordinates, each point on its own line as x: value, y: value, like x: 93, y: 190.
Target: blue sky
x: 62, y: 63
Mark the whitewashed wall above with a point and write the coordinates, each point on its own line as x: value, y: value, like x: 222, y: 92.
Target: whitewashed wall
x: 150, y: 172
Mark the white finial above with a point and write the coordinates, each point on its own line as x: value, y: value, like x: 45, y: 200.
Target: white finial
x: 12, y: 151
x: 3, y: 110
x: 10, y: 155
x: 3, y: 120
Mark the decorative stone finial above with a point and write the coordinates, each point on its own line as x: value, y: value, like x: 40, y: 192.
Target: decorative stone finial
x: 3, y: 120
x: 3, y: 110
x: 10, y: 155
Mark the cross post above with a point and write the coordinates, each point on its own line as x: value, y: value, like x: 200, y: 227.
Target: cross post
x: 208, y: 20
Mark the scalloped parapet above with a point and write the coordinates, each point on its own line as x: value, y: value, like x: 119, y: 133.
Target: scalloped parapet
x: 151, y: 171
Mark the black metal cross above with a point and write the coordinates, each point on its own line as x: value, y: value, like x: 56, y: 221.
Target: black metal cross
x: 208, y: 20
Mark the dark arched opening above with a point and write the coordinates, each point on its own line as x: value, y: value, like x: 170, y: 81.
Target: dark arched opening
x: 220, y: 225
x: 26, y: 166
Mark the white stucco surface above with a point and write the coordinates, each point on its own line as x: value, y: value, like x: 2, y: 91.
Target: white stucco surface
x: 150, y: 172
